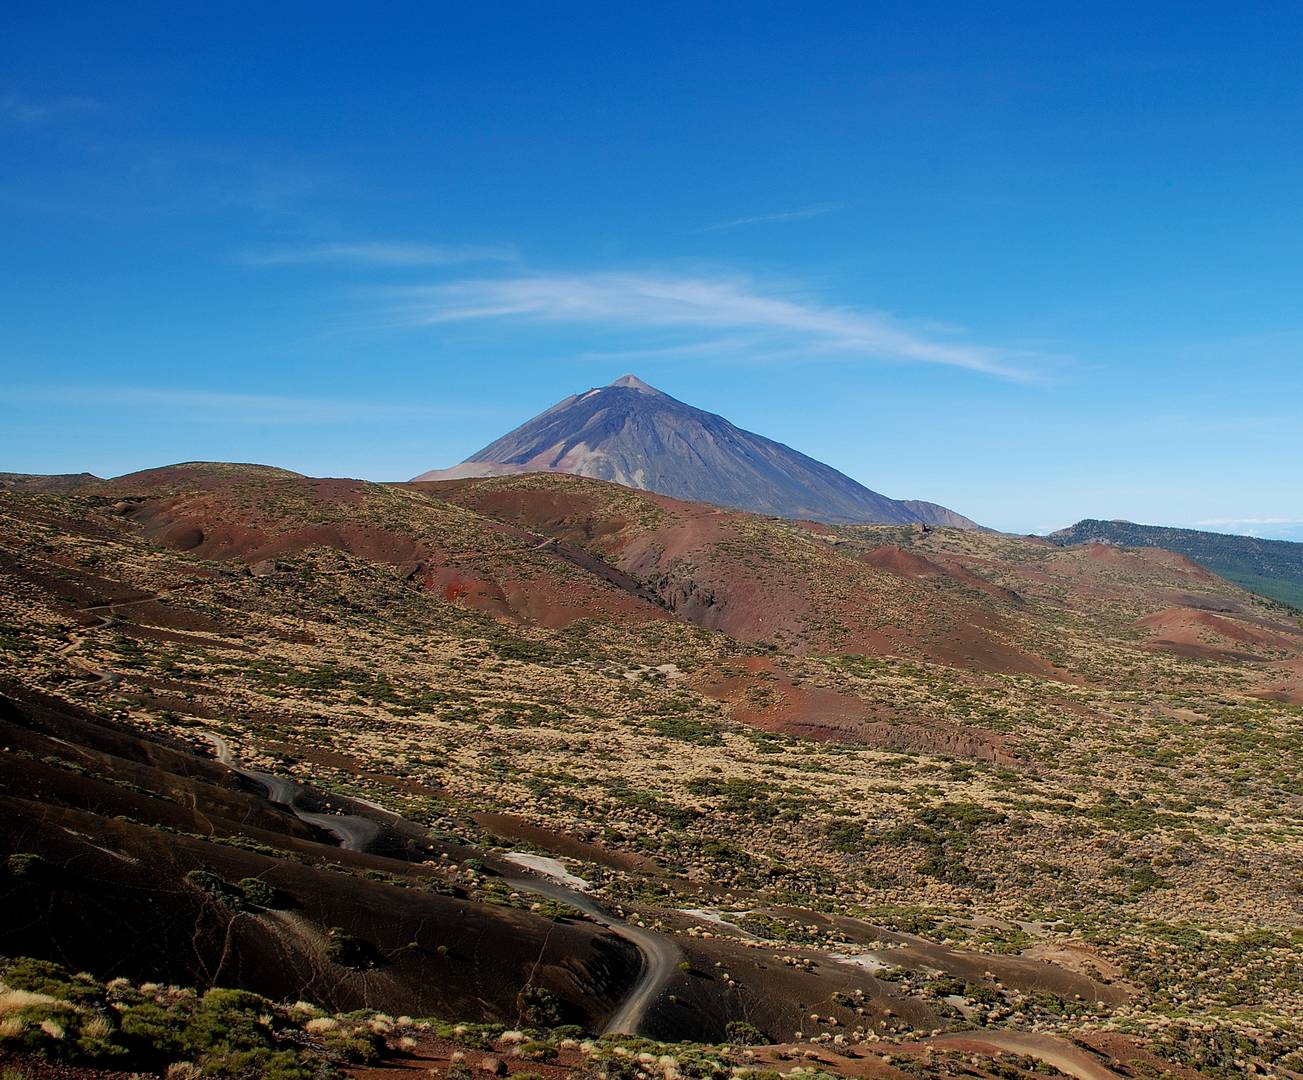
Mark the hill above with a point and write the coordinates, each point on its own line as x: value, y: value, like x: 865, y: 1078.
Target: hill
x: 538, y: 750
x: 633, y: 434
x: 51, y: 482
x: 1271, y: 568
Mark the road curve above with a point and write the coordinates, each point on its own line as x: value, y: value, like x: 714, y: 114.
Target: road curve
x: 660, y: 956
x: 102, y: 676
x: 1050, y: 1049
x: 353, y: 831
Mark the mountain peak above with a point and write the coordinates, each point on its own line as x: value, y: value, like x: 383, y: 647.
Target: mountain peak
x: 652, y: 441
x: 632, y: 382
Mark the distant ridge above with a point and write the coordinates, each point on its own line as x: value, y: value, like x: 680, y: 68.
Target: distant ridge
x: 630, y: 433
x: 46, y: 483
x: 1271, y: 568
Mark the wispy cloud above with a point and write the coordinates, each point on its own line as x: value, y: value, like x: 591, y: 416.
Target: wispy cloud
x: 711, y: 347
x: 772, y: 321
x: 783, y: 215
x: 217, y: 405
x: 377, y: 253
x: 1251, y: 521
x: 21, y: 110
x: 1263, y: 528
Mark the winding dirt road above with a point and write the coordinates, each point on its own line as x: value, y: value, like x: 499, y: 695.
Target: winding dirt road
x: 97, y: 676
x: 353, y: 831
x: 102, y: 676
x: 1054, y: 1051
x: 660, y: 956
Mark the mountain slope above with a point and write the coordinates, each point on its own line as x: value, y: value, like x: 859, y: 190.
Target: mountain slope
x: 1271, y: 568
x: 633, y: 434
x: 944, y: 751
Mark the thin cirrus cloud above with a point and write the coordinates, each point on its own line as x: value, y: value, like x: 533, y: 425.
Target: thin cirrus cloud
x: 376, y: 253
x: 1253, y: 526
x: 772, y: 323
x: 801, y: 214
x: 1251, y: 521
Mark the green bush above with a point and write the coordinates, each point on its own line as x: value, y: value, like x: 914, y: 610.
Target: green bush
x: 360, y: 1046
x: 539, y: 1007
x: 153, y: 1031
x: 537, y: 1050
x: 740, y: 1033
x: 351, y: 952
x: 847, y: 836
x: 54, y: 980
x: 226, y: 1033
x: 25, y: 866
x: 222, y: 891
x: 258, y: 893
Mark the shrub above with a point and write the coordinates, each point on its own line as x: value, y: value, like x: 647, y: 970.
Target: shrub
x: 25, y: 866
x: 537, y: 1050
x: 539, y: 1007
x: 223, y: 892
x: 983, y: 995
x: 226, y: 1033
x: 360, y: 1046
x: 847, y: 836
x: 258, y: 893
x: 351, y: 952
x: 740, y: 1033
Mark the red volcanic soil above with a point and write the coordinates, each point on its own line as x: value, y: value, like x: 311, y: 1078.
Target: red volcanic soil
x: 897, y: 560
x: 253, y: 513
x: 557, y: 549
x: 552, y: 550
x: 1190, y: 631
x: 563, y: 512
x: 758, y: 580
x: 33, y: 1067
x: 1284, y: 683
x: 1093, y: 573
x: 256, y: 515
x: 1143, y: 560
x: 763, y: 695
x: 208, y: 538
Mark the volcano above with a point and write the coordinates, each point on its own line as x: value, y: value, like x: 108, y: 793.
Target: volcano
x: 630, y: 433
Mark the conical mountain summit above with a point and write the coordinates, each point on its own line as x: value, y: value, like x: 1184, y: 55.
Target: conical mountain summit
x: 630, y: 433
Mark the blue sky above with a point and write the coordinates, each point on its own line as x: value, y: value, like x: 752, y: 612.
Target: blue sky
x: 1034, y: 261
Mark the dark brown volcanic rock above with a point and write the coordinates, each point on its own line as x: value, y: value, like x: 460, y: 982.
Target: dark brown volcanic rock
x: 633, y: 434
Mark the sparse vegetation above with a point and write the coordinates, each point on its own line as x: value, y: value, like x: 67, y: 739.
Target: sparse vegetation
x: 1129, y: 814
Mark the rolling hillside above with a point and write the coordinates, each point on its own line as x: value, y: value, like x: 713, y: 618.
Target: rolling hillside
x: 1271, y: 568
x: 552, y: 754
